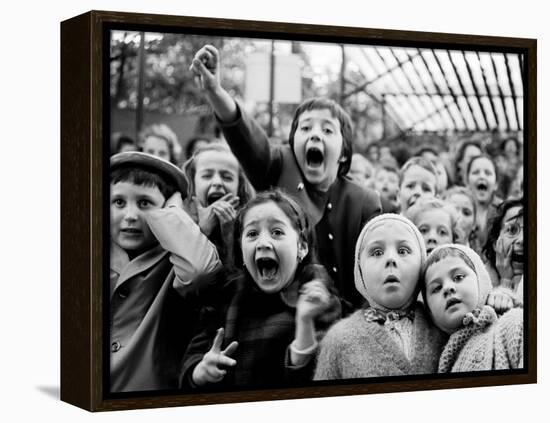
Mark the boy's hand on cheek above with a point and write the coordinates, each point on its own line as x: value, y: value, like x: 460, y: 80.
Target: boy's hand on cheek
x: 175, y: 200
x: 211, y: 368
x: 313, y: 300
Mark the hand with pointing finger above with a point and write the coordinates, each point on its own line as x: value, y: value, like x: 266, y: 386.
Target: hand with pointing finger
x: 212, y: 367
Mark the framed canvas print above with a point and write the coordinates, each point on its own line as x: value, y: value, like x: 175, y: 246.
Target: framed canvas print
x: 256, y: 210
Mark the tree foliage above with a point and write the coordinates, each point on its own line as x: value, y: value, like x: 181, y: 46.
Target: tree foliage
x: 170, y: 88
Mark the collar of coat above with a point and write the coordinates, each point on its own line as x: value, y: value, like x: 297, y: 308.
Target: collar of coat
x: 125, y: 268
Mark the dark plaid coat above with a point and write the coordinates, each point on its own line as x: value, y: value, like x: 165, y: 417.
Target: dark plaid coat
x: 263, y: 324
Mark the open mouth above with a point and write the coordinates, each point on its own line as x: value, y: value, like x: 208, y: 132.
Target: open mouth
x: 391, y: 279
x: 215, y: 196
x: 429, y: 249
x: 267, y: 267
x: 482, y: 186
x: 451, y: 302
x: 314, y: 157
x: 517, y: 257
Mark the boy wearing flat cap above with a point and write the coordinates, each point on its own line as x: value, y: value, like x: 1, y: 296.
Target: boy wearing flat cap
x: 156, y: 248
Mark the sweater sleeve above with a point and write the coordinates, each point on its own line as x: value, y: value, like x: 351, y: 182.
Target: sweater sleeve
x: 261, y: 162
x: 191, y: 252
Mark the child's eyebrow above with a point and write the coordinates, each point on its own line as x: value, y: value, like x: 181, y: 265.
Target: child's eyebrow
x: 323, y: 120
x: 146, y: 197
x: 520, y: 214
x: 270, y: 220
x: 375, y: 242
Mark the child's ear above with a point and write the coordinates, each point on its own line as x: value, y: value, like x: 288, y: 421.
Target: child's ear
x: 302, y: 250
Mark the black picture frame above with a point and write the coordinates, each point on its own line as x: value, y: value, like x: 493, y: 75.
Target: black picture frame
x: 84, y: 220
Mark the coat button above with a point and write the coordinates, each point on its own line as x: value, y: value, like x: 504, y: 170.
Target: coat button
x: 478, y: 357
x: 334, y: 269
x: 329, y: 206
x: 300, y: 186
x: 330, y: 236
x: 115, y: 346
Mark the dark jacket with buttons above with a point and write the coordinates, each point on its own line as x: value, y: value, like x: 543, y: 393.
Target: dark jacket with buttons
x: 338, y: 214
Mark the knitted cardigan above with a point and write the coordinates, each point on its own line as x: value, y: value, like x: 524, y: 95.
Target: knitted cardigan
x: 486, y: 343
x: 356, y: 348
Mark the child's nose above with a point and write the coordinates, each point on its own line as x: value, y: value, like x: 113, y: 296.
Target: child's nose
x: 449, y: 289
x: 131, y: 213
x: 216, y: 179
x: 390, y: 261
x: 315, y: 133
x: 263, y: 242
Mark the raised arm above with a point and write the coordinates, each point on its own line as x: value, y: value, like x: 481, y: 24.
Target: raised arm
x: 206, y: 66
x: 191, y: 252
x: 247, y: 140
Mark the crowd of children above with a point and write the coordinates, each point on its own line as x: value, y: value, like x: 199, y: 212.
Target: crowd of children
x: 262, y: 265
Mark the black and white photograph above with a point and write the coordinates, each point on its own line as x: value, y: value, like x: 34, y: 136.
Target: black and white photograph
x: 287, y: 213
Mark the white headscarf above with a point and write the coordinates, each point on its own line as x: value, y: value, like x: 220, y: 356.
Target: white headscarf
x: 360, y: 283
x: 484, y: 284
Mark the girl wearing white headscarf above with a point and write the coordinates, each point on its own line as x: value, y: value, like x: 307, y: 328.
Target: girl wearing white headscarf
x: 392, y: 335
x: 456, y: 291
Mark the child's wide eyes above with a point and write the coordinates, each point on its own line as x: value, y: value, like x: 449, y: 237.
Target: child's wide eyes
x: 403, y: 251
x: 467, y: 212
x: 328, y: 131
x: 305, y: 128
x: 118, y: 202
x: 443, y: 232
x: 277, y: 232
x: 512, y: 229
x: 376, y: 252
x: 251, y: 234
x: 144, y: 204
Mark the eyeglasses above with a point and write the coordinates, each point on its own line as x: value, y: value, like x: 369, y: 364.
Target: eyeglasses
x: 512, y: 228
